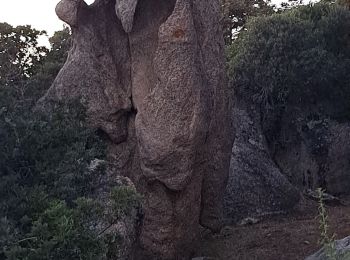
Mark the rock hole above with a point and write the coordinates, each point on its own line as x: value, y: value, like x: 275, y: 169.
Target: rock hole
x: 89, y: 2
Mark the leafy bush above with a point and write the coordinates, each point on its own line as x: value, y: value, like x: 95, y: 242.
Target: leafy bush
x: 20, y: 54
x: 44, y: 169
x: 60, y: 232
x: 301, y: 56
x: 327, y: 240
x: 50, y: 167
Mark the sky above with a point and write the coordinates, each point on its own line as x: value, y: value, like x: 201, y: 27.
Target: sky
x: 40, y: 14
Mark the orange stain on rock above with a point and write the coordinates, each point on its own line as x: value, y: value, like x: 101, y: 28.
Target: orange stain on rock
x: 179, y: 33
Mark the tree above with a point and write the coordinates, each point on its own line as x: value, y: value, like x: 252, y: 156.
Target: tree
x: 50, y: 163
x: 44, y: 158
x: 237, y: 12
x: 20, y: 54
x: 301, y: 56
x: 25, y: 84
x: 60, y: 45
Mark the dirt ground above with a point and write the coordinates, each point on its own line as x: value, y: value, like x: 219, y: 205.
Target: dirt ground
x: 288, y: 237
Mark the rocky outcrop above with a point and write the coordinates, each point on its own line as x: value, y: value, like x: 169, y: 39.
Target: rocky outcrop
x: 125, y: 10
x: 299, y: 145
x: 256, y: 186
x: 340, y: 250
x: 151, y: 73
x: 313, y: 152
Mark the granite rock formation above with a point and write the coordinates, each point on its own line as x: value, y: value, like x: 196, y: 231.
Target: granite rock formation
x: 152, y: 75
x: 256, y: 185
x: 279, y: 154
x: 313, y: 151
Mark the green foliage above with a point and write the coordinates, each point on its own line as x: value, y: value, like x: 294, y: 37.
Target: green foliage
x: 20, y: 54
x: 60, y: 232
x: 60, y: 45
x: 21, y: 87
x: 51, y: 164
x: 124, y: 199
x: 301, y: 56
x: 237, y: 12
x: 44, y: 169
x: 327, y: 241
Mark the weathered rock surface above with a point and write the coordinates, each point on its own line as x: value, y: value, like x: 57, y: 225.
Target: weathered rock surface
x: 314, y: 153
x: 125, y: 10
x: 153, y: 80
x: 256, y: 186
x: 301, y: 144
x: 341, y: 251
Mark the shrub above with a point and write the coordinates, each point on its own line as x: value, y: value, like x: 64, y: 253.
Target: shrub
x: 301, y: 56
x: 49, y: 208
x: 50, y: 167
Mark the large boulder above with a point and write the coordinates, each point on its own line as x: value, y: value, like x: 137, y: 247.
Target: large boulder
x: 256, y: 186
x: 152, y: 75
x: 277, y: 157
x: 314, y: 152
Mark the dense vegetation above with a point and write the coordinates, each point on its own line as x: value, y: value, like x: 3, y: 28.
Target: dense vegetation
x: 50, y: 163
x: 237, y: 12
x: 300, y: 56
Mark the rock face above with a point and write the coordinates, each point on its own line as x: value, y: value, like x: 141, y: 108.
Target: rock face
x: 313, y: 152
x: 256, y: 186
x: 125, y: 10
x: 152, y: 75
x: 341, y: 251
x: 301, y: 145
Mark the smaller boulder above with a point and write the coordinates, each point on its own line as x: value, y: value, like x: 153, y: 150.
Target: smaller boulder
x: 256, y: 186
x: 341, y: 251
